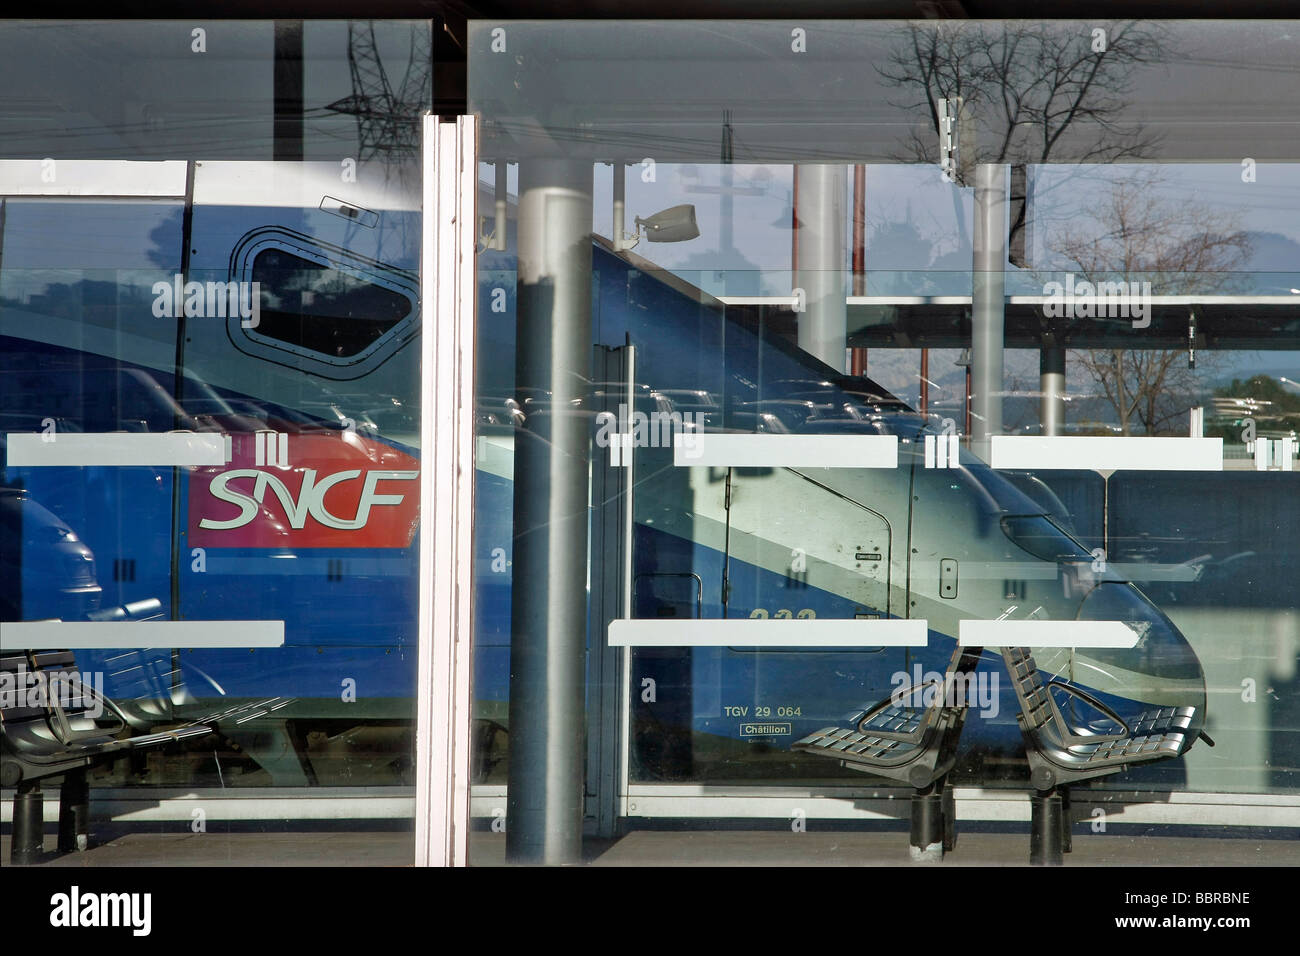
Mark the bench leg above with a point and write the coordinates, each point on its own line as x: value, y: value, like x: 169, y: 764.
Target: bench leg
x: 927, y: 825
x: 1067, y: 840
x: 949, y: 819
x: 1045, y: 828
x: 74, y: 812
x: 28, y: 841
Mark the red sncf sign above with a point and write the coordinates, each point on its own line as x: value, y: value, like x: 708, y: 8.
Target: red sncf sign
x: 334, y: 490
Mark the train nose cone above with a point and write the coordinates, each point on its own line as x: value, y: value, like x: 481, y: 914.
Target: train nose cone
x: 1161, y: 668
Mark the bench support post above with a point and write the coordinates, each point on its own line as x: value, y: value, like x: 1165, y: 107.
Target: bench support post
x: 1067, y: 841
x: 1046, y: 828
x: 949, y: 818
x: 74, y: 812
x: 28, y: 841
x: 927, y: 824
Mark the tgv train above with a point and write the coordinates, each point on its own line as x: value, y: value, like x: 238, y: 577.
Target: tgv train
x: 312, y: 374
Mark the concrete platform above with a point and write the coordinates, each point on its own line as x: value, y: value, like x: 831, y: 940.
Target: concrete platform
x: 730, y: 847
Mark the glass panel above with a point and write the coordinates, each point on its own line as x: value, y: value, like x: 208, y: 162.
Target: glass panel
x: 209, y: 408
x: 1075, y: 259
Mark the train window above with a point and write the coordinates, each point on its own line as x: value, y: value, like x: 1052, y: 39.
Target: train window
x: 321, y: 309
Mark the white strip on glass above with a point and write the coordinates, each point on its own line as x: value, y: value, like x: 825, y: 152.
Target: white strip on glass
x: 91, y: 177
x: 1108, y: 453
x: 695, y: 449
x: 1033, y: 301
x: 752, y: 632
x: 84, y: 449
x: 1046, y: 634
x: 98, y: 635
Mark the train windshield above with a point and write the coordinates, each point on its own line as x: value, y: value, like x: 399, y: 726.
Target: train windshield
x: 1161, y: 650
x: 1042, y: 538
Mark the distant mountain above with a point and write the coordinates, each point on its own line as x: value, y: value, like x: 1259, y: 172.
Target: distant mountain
x: 1273, y: 252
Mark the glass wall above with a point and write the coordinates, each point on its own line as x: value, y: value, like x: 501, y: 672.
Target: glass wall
x: 875, y: 420
x: 961, y: 238
x: 209, y: 398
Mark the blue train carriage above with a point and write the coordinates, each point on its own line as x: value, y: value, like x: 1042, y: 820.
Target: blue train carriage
x: 287, y: 300
x: 911, y: 542
x: 310, y: 520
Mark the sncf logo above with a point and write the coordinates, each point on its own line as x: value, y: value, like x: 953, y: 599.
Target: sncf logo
x: 306, y: 491
x: 310, y: 499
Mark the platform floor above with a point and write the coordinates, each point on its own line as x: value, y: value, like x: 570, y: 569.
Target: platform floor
x: 668, y: 848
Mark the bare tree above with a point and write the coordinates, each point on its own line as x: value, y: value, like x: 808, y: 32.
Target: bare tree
x: 1028, y: 84
x: 1037, y: 91
x: 1139, y: 234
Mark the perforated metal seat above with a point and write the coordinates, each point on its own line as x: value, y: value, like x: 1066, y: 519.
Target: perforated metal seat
x: 1062, y: 751
x: 52, y: 723
x: 916, y: 745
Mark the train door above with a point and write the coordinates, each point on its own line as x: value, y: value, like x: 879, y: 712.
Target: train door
x: 794, y: 548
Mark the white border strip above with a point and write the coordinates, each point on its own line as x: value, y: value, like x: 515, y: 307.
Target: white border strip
x: 98, y: 635
x: 235, y: 805
x: 1036, y: 301
x: 696, y: 449
x: 1046, y: 634
x: 86, y: 449
x: 750, y: 632
x: 92, y: 177
x: 448, y: 286
x: 1106, y: 452
x: 680, y: 801
x: 1180, y: 808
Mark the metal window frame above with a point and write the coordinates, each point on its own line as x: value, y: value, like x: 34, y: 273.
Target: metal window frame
x: 448, y: 290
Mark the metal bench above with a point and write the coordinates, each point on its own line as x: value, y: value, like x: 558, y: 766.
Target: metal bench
x: 1062, y: 751
x: 54, y: 724
x: 904, y: 738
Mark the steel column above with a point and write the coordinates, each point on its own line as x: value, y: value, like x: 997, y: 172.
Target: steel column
x: 988, y: 304
x: 549, y: 590
x: 1051, y: 377
x: 823, y: 200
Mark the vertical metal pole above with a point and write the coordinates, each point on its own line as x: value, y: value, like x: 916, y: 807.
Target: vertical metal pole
x: 924, y: 402
x: 726, y: 201
x: 988, y: 304
x: 858, y: 356
x: 287, y: 92
x: 1051, y: 383
x: 549, y: 591
x: 794, y: 226
x: 859, y: 230
x: 823, y: 196
x: 500, y: 241
x: 620, y: 203
x: 966, y: 431
x: 611, y: 598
